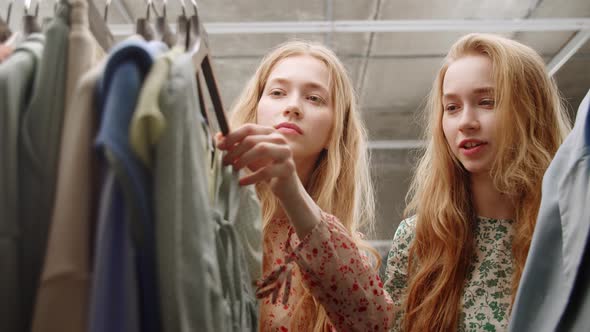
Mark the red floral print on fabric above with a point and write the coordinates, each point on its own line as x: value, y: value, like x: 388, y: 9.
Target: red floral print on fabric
x: 330, y: 265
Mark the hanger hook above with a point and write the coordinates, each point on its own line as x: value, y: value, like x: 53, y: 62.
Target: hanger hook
x: 27, y: 6
x: 183, y: 7
x: 164, y: 9
x: 156, y: 8
x: 9, y: 11
x: 149, y: 5
x: 106, y: 10
x: 194, y: 7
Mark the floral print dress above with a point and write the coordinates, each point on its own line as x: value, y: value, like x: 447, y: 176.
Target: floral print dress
x: 487, y: 292
x: 329, y: 264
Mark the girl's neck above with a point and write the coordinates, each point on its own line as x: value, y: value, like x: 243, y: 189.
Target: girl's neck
x: 488, y: 201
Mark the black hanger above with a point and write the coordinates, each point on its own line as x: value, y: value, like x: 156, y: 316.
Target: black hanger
x: 202, y: 63
x: 143, y: 26
x: 30, y: 24
x: 5, y: 32
x: 163, y: 31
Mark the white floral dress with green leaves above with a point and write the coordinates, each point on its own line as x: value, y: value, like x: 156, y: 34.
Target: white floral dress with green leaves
x: 487, y: 291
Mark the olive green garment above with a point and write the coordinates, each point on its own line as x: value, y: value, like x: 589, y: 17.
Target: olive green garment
x: 40, y: 136
x: 189, y: 280
x: 17, y: 76
x: 208, y: 229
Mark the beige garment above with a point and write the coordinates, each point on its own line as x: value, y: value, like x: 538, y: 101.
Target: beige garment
x: 99, y: 53
x: 63, y: 296
x: 64, y: 288
x: 81, y: 53
x: 148, y: 123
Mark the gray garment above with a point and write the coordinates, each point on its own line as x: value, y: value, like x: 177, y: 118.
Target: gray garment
x: 189, y: 279
x: 229, y: 212
x: 204, y: 268
x: 553, y: 293
x: 248, y: 224
x: 40, y: 136
x: 17, y: 75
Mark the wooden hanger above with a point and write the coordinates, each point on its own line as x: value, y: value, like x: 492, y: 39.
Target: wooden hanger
x: 202, y: 62
x: 143, y: 26
x: 5, y: 32
x: 30, y: 24
x: 182, y: 29
x: 163, y: 31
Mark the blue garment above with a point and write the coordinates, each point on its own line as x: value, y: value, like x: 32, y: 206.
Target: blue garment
x: 114, y: 305
x: 128, y: 221
x: 554, y: 289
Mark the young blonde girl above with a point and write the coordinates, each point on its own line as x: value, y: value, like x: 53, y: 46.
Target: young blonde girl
x: 297, y: 129
x: 495, y: 121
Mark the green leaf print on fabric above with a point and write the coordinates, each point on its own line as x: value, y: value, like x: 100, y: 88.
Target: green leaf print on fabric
x: 487, y: 291
x: 489, y: 327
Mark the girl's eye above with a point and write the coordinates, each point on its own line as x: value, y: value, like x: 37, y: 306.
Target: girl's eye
x: 316, y: 99
x: 488, y: 102
x: 451, y: 108
x: 276, y: 92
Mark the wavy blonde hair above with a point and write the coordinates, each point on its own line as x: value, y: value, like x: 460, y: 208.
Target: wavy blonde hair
x: 340, y: 183
x: 533, y: 124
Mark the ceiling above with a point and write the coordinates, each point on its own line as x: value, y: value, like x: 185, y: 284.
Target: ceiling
x: 392, y: 70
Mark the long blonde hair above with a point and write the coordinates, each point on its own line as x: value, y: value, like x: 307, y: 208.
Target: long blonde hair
x: 533, y: 124
x: 340, y: 183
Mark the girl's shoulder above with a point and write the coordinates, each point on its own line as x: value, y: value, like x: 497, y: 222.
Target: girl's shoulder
x: 407, y: 227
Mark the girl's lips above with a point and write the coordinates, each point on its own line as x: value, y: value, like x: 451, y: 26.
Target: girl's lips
x: 471, y: 152
x: 287, y: 130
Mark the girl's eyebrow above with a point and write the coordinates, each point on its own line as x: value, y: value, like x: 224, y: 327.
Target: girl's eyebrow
x: 312, y: 85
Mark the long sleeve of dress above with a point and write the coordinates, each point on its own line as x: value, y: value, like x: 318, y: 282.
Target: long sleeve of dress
x: 338, y: 276
x: 396, y: 280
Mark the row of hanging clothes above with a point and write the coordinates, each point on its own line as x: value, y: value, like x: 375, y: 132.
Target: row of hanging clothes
x: 116, y: 213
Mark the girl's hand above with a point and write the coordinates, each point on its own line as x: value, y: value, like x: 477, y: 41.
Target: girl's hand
x: 265, y: 152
